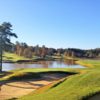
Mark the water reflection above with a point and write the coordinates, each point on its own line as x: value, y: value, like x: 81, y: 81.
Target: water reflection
x: 42, y: 64
x: 70, y: 62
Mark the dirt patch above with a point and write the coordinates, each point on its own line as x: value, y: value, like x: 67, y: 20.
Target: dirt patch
x: 17, y: 89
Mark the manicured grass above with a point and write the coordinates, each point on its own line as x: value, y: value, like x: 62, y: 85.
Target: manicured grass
x: 13, y: 57
x: 76, y: 87
x: 90, y: 63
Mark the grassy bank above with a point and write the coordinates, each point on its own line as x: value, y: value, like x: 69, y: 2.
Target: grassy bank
x: 90, y: 63
x: 12, y: 57
x: 31, y: 73
x: 76, y: 87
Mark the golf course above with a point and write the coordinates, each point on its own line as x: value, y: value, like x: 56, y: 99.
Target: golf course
x: 62, y: 83
x: 49, y: 49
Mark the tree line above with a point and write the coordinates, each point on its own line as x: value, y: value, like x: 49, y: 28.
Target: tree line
x: 23, y: 49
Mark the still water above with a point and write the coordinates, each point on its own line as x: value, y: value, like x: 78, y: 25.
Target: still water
x: 42, y: 64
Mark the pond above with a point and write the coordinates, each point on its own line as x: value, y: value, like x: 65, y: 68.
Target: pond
x: 41, y: 64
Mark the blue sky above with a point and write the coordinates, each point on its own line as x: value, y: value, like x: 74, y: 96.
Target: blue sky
x: 54, y: 23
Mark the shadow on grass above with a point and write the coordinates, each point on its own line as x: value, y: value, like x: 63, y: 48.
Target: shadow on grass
x: 95, y: 96
x: 55, y: 85
x: 2, y: 74
x: 8, y: 57
x: 29, y: 87
x: 34, y: 76
x: 13, y: 99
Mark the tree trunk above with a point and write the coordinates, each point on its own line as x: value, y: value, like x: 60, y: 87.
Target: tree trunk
x: 1, y: 55
x: 1, y: 60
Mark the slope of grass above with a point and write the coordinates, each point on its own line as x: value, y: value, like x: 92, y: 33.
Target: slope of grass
x: 73, y: 88
x: 76, y: 87
x: 13, y: 57
x: 32, y: 73
x: 90, y: 63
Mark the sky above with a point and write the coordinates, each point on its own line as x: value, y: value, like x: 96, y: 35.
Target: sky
x: 54, y: 23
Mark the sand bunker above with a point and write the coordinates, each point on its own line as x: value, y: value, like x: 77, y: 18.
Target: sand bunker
x: 17, y: 89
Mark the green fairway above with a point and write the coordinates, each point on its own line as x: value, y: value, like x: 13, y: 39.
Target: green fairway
x: 13, y: 57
